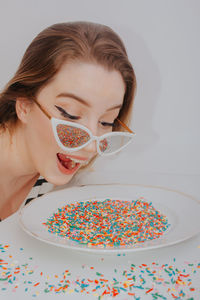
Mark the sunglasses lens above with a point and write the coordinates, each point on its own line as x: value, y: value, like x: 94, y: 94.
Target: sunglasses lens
x: 113, y: 143
x: 72, y: 137
x: 103, y: 144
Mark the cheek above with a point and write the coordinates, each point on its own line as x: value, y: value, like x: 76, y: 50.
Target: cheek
x: 103, y: 130
x: 40, y: 137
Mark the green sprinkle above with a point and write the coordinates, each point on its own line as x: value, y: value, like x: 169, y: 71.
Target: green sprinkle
x: 3, y: 279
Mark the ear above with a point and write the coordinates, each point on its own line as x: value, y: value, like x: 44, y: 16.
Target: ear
x: 23, y: 108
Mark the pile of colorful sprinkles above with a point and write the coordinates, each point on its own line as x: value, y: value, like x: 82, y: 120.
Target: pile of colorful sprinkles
x: 108, y: 223
x: 158, y: 281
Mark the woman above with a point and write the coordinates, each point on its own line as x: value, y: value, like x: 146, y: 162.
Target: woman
x: 74, y: 82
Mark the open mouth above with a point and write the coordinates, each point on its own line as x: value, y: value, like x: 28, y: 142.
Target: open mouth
x: 68, y: 163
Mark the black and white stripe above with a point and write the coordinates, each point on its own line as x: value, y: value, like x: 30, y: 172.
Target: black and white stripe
x: 40, y: 188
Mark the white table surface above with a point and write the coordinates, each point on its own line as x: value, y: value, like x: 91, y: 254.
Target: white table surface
x: 37, y: 267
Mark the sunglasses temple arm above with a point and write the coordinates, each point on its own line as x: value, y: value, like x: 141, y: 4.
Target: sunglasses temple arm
x: 42, y: 109
x: 125, y: 126
x: 121, y: 123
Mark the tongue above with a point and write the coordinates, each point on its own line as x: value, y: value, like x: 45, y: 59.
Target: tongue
x: 68, y: 164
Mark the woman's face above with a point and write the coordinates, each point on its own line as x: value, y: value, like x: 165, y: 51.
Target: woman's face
x: 84, y: 93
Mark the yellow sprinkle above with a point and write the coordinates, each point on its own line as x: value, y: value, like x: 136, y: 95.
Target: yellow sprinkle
x: 156, y: 277
x: 128, y: 282
x: 71, y: 291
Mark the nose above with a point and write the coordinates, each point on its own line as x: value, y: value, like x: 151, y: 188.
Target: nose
x: 91, y: 147
x: 92, y: 125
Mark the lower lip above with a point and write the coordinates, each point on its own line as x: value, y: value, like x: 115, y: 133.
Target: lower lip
x: 65, y: 170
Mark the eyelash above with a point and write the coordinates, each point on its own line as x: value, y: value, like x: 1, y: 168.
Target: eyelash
x: 106, y: 124
x: 65, y: 114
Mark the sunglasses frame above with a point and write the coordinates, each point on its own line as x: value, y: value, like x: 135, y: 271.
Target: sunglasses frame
x: 55, y: 122
x: 98, y: 139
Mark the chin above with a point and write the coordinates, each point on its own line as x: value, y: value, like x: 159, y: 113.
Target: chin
x: 58, y: 180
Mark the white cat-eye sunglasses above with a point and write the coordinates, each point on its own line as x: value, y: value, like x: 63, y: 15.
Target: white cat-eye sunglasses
x: 71, y: 136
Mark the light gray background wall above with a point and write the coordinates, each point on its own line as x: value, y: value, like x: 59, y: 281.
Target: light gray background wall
x: 163, y: 42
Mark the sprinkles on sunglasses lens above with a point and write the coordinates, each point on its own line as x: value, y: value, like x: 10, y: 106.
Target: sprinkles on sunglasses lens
x: 72, y: 137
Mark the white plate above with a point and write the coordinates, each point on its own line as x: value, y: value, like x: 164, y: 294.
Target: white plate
x: 182, y: 212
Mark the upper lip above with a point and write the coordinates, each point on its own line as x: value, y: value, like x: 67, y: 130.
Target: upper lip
x: 65, y: 156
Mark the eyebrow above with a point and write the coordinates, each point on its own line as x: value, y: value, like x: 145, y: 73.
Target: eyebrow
x: 80, y: 100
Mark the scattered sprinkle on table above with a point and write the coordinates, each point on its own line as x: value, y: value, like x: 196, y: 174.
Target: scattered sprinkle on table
x: 135, y: 282
x: 108, y: 223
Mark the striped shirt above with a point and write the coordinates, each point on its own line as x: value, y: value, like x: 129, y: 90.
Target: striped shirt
x: 40, y: 188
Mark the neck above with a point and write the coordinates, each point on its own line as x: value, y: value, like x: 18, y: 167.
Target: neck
x: 16, y: 164
x: 17, y: 172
